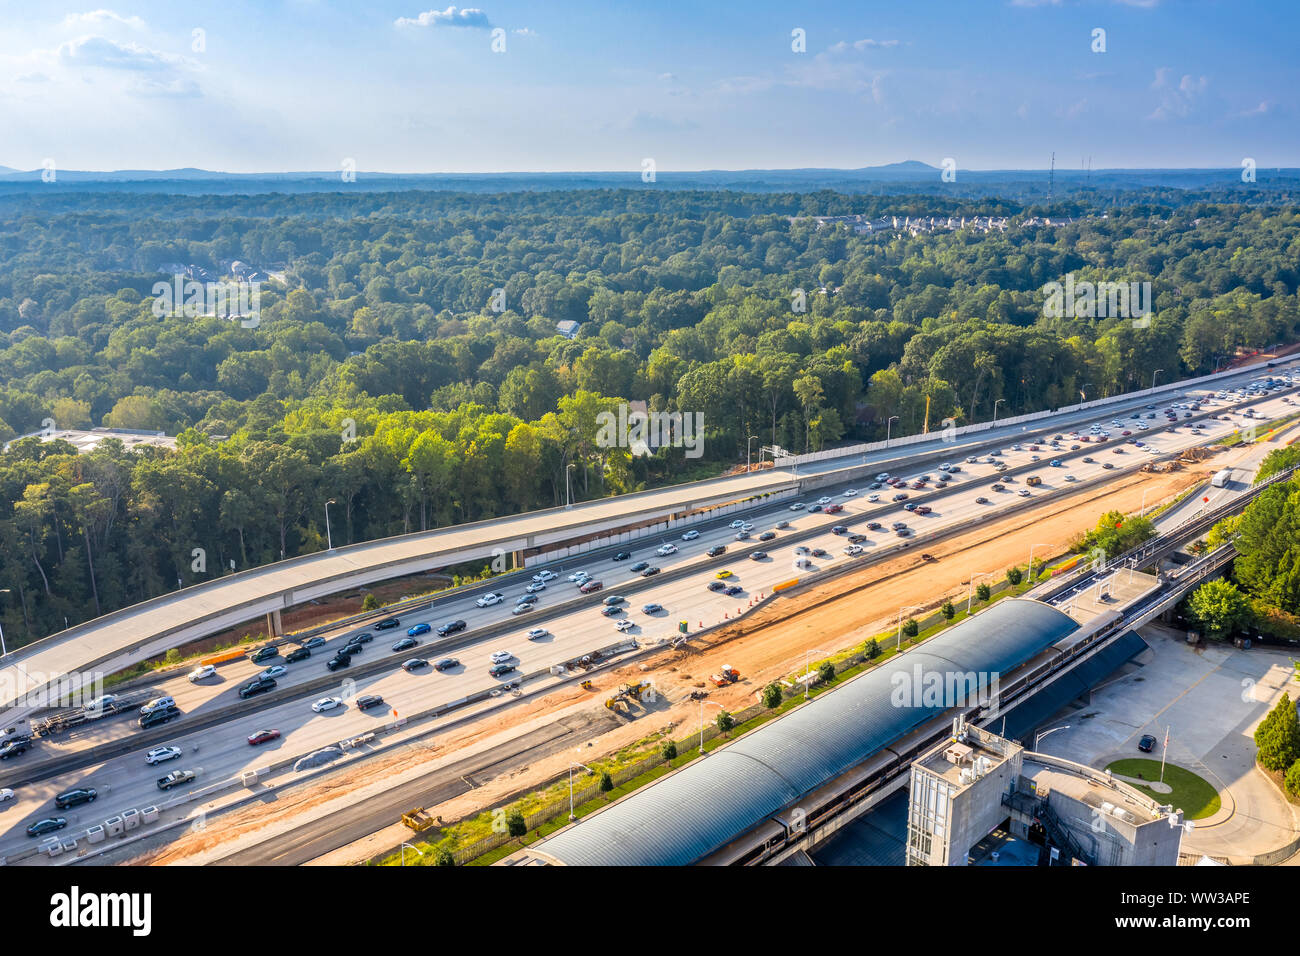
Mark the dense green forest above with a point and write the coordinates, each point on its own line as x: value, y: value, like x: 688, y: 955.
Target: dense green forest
x: 380, y: 375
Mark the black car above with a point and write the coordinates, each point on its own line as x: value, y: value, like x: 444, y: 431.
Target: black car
x: 500, y: 670
x: 265, y: 654
x: 338, y: 660
x: 13, y: 749
x: 387, y: 624
x: 159, y: 717
x: 622, y: 556
x: 405, y: 644
x: 414, y: 664
x: 361, y: 637
x: 900, y: 497
x: 258, y: 685
x: 42, y: 827
x: 352, y: 649
x: 857, y: 538
x: 367, y: 701
x: 1147, y: 743
x: 451, y: 627
x: 839, y: 529
x: 446, y: 664
x: 767, y: 536
x: 716, y: 550
x: 757, y: 555
x: 301, y: 654
x: 717, y: 586
x: 815, y: 508
x: 733, y: 590
x: 75, y: 797
x: 650, y: 572
x: 640, y: 565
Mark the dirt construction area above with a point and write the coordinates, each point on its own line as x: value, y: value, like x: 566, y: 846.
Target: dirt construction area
x: 764, y: 646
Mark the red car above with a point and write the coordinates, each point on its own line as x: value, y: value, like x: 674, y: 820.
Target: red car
x: 263, y: 736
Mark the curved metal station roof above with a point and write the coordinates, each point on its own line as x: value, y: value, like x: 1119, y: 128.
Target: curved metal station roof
x: 688, y: 814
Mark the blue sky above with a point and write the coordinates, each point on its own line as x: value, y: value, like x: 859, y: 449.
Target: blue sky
x: 416, y: 87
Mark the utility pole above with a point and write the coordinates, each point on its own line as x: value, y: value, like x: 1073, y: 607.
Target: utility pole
x: 1051, y: 178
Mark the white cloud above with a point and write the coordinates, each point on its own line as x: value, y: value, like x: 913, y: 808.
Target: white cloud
x: 95, y: 51
x: 471, y: 17
x: 100, y: 17
x: 860, y: 45
x: 524, y: 32
x: 1176, y: 100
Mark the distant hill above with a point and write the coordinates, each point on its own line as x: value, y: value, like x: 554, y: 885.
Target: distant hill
x: 908, y: 177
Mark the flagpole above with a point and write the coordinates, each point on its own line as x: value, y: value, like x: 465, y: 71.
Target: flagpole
x: 1163, y: 751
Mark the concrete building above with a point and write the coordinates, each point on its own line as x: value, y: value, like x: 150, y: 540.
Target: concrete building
x: 90, y: 440
x: 955, y: 795
x: 978, y: 797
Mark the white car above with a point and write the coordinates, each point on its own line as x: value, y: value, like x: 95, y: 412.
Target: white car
x: 624, y: 625
x: 488, y: 600
x: 853, y: 550
x: 850, y: 492
x: 326, y: 703
x: 883, y: 476
x: 535, y: 587
x: 1025, y: 492
x: 823, y: 500
x: 275, y: 670
x: 6, y: 794
x: 1071, y: 478
x: 537, y: 633
x: 666, y: 549
x: 747, y: 526
x: 736, y: 524
x: 873, y: 498
x: 159, y: 754
x: 579, y: 576
x: 797, y: 506
x: 199, y: 673
x: 690, y: 535
x: 541, y: 577
x: 500, y: 657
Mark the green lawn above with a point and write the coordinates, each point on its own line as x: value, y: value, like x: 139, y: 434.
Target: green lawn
x: 1192, y: 794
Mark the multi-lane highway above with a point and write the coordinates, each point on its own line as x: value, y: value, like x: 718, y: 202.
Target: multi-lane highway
x: 122, y: 638
x: 222, y: 751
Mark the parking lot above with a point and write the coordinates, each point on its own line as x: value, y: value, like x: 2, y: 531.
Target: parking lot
x: 1210, y: 698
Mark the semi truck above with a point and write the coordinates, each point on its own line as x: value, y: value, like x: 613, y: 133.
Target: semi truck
x: 1221, y: 479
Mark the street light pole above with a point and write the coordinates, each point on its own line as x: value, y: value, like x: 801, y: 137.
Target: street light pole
x: 1153, y: 378
x: 748, y: 451
x: 568, y: 495
x: 702, y: 703
x: 807, y: 671
x: 970, y: 586
x: 572, y: 817
x: 1083, y: 388
x: 888, y: 426
x: 4, y: 651
x: 995, y: 409
x: 1039, y: 736
x: 909, y: 607
x: 407, y: 846
x: 329, y: 539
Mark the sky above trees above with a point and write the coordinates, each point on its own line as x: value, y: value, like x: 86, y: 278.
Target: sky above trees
x: 402, y: 86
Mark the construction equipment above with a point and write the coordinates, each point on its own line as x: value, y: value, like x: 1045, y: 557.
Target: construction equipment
x: 729, y: 675
x: 619, y: 702
x: 100, y: 707
x: 588, y: 685
x: 420, y: 819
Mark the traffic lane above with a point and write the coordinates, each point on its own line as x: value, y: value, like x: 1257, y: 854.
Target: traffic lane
x: 763, y: 573
x: 800, y: 521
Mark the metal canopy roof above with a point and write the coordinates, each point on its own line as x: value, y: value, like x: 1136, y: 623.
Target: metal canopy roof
x: 689, y: 814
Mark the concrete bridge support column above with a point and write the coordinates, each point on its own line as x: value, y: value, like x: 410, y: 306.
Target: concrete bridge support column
x: 274, y: 628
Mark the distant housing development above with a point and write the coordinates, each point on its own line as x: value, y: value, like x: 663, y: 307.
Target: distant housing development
x: 86, y: 441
